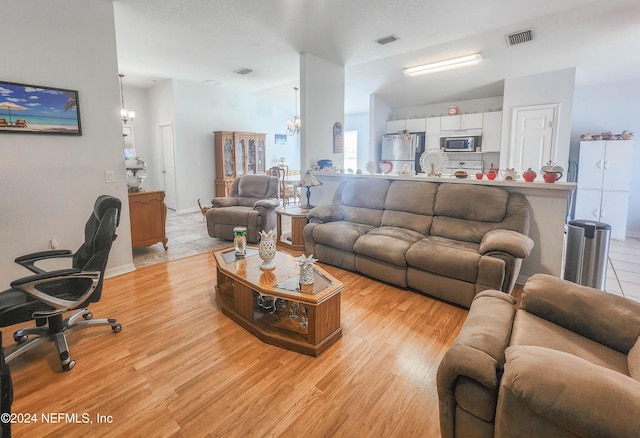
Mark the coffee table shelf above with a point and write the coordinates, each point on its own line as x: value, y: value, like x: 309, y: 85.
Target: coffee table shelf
x: 263, y: 303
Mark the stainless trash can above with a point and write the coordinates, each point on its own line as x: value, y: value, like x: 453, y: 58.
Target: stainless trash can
x: 587, y: 252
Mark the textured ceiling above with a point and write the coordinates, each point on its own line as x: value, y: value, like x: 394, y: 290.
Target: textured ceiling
x: 200, y: 40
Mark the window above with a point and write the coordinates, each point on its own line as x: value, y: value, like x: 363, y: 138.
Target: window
x: 351, y: 150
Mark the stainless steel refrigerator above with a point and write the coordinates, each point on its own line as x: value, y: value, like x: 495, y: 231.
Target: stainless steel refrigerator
x: 402, y: 149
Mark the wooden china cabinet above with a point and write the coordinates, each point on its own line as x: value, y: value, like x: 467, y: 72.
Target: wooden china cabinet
x: 237, y: 154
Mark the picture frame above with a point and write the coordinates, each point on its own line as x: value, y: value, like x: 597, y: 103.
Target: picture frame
x: 37, y: 109
x: 281, y: 139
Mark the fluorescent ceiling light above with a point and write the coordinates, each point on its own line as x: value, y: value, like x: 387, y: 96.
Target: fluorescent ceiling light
x: 449, y: 64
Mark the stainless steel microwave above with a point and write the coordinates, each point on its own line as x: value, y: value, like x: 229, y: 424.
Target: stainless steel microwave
x: 460, y: 144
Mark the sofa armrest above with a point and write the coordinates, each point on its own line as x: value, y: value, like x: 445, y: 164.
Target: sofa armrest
x: 605, y: 318
x: 477, y: 354
x: 269, y: 203
x: 568, y: 394
x: 511, y: 242
x: 223, y: 201
x: 325, y: 213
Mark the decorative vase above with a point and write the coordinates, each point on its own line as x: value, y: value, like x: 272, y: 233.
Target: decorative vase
x: 240, y: 241
x: 267, y: 249
x: 306, y: 269
x: 371, y: 167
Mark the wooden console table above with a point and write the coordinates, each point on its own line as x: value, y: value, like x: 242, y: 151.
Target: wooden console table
x: 295, y: 239
x: 148, y: 214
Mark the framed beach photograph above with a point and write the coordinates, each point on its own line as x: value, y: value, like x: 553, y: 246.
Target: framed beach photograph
x: 35, y: 109
x: 281, y: 139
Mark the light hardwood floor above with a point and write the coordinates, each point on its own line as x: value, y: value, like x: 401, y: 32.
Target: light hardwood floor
x: 181, y: 368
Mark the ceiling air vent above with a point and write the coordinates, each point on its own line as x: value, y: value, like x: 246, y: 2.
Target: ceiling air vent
x: 386, y: 40
x: 519, y: 37
x: 244, y: 71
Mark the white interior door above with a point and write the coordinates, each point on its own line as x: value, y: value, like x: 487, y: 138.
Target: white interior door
x: 165, y: 133
x: 533, y: 144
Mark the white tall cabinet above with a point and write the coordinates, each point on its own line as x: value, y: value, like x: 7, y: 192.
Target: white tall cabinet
x: 604, y: 179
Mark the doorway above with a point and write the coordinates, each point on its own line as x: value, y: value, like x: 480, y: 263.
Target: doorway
x: 533, y: 141
x: 165, y: 138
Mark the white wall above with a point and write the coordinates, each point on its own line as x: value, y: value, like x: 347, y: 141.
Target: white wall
x: 379, y: 113
x: 360, y: 123
x: 50, y: 182
x: 611, y: 107
x: 196, y: 111
x: 322, y: 105
x: 544, y: 88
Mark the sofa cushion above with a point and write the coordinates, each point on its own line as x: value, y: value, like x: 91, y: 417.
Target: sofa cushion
x: 362, y: 200
x: 409, y: 204
x: 529, y: 329
x: 467, y: 212
x: 339, y: 234
x: 447, y: 257
x: 389, y: 244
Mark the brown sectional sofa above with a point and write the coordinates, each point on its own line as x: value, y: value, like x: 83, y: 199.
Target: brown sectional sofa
x: 447, y: 240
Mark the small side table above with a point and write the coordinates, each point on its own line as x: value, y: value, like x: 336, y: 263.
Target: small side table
x: 295, y: 239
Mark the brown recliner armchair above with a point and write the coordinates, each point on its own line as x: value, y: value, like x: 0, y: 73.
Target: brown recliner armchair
x: 252, y: 203
x: 565, y: 364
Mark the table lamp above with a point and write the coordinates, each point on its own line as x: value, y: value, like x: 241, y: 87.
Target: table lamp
x: 308, y: 181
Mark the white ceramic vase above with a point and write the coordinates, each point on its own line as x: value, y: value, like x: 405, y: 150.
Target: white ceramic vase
x: 267, y: 249
x: 306, y: 269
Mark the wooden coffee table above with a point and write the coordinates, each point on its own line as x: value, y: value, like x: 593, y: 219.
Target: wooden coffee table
x: 271, y: 306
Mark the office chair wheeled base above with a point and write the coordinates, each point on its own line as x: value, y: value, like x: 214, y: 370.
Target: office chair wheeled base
x: 54, y: 329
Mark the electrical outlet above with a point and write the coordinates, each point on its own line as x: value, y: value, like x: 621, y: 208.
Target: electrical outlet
x: 109, y: 176
x: 53, y: 243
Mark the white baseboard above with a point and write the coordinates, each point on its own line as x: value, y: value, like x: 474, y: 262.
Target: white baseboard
x: 634, y: 234
x: 119, y: 270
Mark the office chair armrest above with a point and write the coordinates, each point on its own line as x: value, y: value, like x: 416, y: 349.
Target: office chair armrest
x: 43, y: 276
x: 29, y: 285
x: 29, y: 260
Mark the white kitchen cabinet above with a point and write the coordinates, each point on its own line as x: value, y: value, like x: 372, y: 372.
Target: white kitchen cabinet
x: 604, y: 180
x: 491, y: 131
x: 411, y: 125
x: 416, y: 125
x: 461, y: 121
x: 433, y: 133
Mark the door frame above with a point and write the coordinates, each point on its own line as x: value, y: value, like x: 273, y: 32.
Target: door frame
x: 159, y: 127
x: 514, y: 127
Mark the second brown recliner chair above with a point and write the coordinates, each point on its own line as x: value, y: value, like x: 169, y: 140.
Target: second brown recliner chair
x: 251, y: 203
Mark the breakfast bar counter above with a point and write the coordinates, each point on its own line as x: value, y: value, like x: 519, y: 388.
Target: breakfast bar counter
x: 548, y: 203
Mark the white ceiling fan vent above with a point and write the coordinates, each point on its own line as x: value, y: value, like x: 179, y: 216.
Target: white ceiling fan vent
x: 244, y: 71
x: 386, y: 40
x: 519, y: 37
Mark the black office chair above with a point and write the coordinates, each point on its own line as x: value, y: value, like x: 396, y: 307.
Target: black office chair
x: 47, y: 295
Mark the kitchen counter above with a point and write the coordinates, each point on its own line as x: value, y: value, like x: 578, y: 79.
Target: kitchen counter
x: 548, y: 204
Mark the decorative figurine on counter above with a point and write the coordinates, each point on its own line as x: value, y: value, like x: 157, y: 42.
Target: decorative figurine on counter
x: 551, y: 173
x: 509, y: 174
x: 529, y: 175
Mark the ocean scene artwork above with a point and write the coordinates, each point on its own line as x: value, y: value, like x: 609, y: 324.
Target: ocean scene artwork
x: 38, y: 109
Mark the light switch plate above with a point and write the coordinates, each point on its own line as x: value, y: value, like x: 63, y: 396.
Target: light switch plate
x: 109, y: 176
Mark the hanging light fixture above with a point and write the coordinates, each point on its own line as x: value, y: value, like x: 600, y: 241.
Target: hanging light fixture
x: 125, y: 114
x: 293, y: 128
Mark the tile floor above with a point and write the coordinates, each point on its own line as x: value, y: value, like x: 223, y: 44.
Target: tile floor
x: 187, y: 234
x: 623, y: 272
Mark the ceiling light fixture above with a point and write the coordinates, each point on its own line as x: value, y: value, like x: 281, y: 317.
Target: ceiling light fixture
x: 126, y: 115
x: 449, y: 64
x: 293, y: 128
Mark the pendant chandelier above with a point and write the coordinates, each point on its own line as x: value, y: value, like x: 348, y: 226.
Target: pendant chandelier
x: 125, y: 114
x: 293, y: 128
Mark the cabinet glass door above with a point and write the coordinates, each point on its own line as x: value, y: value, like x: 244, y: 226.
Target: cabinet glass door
x: 251, y: 156
x: 228, y: 157
x: 240, y: 154
x: 261, y: 156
